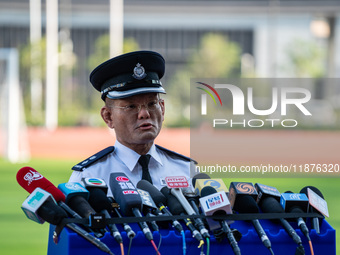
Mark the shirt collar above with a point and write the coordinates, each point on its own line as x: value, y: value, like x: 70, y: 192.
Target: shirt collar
x: 130, y: 157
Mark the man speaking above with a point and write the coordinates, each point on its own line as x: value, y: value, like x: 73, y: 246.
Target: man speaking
x: 130, y: 86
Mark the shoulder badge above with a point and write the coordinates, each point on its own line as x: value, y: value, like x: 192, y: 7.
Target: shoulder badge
x: 174, y: 154
x: 89, y: 161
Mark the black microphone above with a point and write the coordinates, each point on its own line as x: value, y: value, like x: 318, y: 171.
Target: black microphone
x: 52, y: 213
x: 242, y: 196
x: 315, y: 221
x: 76, y: 198
x: 149, y: 208
x: 129, y: 232
x: 39, y: 206
x: 129, y: 199
x: 207, y: 191
x: 247, y: 204
x: 159, y: 199
x: 191, y: 210
x: 271, y: 205
x: 198, y: 177
x: 176, y: 208
x: 296, y: 203
x: 100, y: 202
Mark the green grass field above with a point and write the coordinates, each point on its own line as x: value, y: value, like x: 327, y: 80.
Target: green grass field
x: 19, y: 235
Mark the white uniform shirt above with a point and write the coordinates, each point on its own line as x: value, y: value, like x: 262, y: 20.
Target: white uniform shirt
x: 125, y: 160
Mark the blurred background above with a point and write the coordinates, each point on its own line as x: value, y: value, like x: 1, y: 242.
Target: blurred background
x: 49, y: 112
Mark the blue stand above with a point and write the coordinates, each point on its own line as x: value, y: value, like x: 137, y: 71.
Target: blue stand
x: 171, y: 244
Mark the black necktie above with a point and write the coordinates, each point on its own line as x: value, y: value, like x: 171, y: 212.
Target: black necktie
x: 144, y: 162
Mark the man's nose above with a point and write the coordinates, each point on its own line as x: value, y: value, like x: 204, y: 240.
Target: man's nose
x: 143, y: 112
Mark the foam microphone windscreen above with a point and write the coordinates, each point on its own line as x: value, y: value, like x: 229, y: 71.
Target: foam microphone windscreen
x: 296, y: 210
x: 174, y: 205
x: 246, y: 204
x: 271, y: 205
x: 98, y: 200
x: 155, y: 194
x: 207, y: 190
x: 30, y: 179
x: 316, y: 190
x: 199, y: 176
x: 51, y: 212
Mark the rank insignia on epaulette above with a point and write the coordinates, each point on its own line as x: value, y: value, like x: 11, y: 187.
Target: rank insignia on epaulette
x: 89, y: 161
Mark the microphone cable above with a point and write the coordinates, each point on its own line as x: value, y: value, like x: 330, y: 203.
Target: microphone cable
x: 208, y: 245
x: 130, y: 244
x: 121, y: 248
x: 155, y: 247
x: 202, y: 250
x: 311, y: 247
x: 184, y: 243
x: 160, y: 241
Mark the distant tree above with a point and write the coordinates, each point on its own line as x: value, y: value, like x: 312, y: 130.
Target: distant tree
x: 102, y: 50
x: 67, y: 61
x: 306, y: 59
x: 215, y: 57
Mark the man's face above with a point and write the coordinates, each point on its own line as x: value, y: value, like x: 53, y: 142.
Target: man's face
x: 134, y: 129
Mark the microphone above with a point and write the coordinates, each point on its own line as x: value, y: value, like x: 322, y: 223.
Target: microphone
x: 76, y: 198
x: 149, y: 208
x: 129, y: 232
x: 212, y: 203
x: 215, y: 201
x: 191, y: 210
x: 239, y: 189
x: 129, y: 199
x: 159, y: 199
x: 100, y: 203
x: 269, y: 203
x: 30, y: 179
x: 200, y: 176
x: 201, y: 180
x: 247, y: 204
x: 316, y: 199
x: 176, y: 208
x: 40, y: 206
x: 296, y: 203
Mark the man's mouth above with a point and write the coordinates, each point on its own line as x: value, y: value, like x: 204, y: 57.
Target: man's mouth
x: 145, y: 126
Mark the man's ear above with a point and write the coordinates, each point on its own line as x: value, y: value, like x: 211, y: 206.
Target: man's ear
x: 106, y: 114
x: 161, y: 103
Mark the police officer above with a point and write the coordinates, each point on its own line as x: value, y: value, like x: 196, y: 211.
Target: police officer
x: 130, y: 86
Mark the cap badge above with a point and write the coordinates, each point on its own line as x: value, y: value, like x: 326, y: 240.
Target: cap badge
x: 139, y: 72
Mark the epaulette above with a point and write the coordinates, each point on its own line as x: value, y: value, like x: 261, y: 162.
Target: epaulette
x: 174, y: 154
x: 89, y: 161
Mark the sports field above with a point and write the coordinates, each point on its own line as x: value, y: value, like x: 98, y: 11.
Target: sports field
x: 22, y: 236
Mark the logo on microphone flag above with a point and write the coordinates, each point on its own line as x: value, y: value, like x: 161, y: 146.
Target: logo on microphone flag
x: 128, y: 192
x: 95, y: 181
x: 32, y: 176
x: 122, y: 179
x: 214, y: 201
x: 176, y: 182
